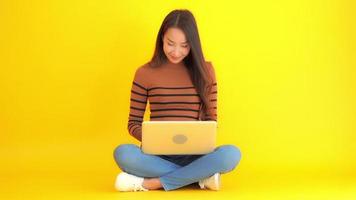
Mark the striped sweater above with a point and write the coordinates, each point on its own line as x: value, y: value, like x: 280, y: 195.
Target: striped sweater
x: 170, y: 93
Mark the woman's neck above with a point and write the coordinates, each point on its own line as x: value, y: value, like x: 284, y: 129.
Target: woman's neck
x: 174, y: 65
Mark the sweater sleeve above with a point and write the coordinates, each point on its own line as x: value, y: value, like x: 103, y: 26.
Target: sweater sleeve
x: 138, y: 103
x: 213, y: 95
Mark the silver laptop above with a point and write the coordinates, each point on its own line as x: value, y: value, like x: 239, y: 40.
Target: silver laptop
x: 178, y: 137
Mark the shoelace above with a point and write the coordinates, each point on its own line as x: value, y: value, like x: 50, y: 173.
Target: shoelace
x: 139, y: 188
x: 201, y: 184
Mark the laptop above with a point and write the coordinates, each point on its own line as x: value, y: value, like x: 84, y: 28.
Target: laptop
x: 178, y: 137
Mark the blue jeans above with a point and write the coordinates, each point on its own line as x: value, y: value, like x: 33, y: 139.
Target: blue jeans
x: 175, y: 171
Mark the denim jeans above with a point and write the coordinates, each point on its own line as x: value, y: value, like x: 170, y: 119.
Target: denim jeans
x: 175, y: 171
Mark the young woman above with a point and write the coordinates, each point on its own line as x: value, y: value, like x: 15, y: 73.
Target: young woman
x: 180, y: 85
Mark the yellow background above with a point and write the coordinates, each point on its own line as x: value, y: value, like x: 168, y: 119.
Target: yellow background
x: 286, y: 81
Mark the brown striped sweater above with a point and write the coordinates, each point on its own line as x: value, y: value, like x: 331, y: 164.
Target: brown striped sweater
x: 170, y: 93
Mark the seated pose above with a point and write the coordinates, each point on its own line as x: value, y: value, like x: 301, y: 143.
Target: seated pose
x: 180, y: 85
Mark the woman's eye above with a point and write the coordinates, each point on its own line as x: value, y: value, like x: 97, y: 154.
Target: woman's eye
x: 170, y: 44
x: 185, y: 46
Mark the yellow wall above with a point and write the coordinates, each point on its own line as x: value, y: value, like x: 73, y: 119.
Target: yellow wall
x: 285, y: 70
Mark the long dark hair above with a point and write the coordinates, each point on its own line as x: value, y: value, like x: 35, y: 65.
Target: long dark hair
x: 194, y: 61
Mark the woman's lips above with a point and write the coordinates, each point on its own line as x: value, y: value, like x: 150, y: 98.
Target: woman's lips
x: 174, y: 58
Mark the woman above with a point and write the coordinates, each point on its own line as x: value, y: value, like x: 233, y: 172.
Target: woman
x: 180, y: 85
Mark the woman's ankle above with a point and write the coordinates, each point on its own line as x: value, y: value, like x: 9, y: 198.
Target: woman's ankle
x: 152, y: 183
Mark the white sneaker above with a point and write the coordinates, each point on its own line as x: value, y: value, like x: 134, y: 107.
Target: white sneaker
x: 212, y: 182
x: 127, y: 182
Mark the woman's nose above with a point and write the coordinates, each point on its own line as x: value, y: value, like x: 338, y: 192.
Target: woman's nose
x: 176, y: 53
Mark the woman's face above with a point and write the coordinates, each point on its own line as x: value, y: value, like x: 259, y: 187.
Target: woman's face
x: 175, y: 45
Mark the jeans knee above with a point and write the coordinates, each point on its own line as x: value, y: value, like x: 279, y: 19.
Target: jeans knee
x: 123, y: 155
x: 229, y: 157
